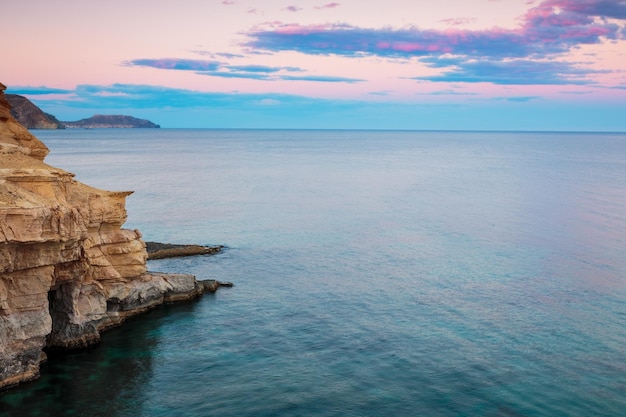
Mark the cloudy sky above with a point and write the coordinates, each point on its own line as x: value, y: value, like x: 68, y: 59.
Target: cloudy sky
x: 392, y: 64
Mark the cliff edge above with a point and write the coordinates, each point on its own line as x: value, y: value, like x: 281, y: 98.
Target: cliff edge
x: 68, y: 269
x: 31, y: 116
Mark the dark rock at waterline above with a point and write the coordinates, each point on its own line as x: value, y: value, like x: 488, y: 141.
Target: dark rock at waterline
x: 211, y: 285
x: 158, y: 250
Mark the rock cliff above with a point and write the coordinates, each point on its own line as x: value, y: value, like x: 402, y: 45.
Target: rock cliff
x: 68, y: 269
x: 31, y: 116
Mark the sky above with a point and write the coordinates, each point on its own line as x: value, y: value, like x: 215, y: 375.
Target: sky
x: 555, y: 65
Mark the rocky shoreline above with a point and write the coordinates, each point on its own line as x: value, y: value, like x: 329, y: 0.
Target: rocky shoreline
x: 68, y: 269
x: 158, y: 250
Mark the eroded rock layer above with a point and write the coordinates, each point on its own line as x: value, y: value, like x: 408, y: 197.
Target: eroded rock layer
x: 67, y: 268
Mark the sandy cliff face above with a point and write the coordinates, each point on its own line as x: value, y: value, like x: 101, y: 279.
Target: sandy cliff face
x: 67, y: 268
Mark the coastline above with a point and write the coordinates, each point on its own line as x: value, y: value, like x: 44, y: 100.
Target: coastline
x: 69, y: 270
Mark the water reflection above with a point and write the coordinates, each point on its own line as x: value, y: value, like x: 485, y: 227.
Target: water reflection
x: 105, y: 380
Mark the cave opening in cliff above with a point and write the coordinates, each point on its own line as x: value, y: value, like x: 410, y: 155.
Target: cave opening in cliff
x: 53, y: 306
x: 52, y: 295
x: 113, y: 305
x: 59, y: 303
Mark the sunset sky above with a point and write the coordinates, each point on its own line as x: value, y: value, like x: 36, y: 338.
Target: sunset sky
x: 393, y: 64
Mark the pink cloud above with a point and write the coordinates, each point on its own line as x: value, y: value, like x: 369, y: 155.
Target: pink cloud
x: 553, y: 27
x: 176, y: 64
x: 547, y: 31
x: 602, y: 8
x: 327, y: 6
x: 458, y: 21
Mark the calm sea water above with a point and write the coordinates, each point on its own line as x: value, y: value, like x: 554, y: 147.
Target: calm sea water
x: 376, y: 274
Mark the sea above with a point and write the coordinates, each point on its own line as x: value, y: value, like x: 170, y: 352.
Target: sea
x: 376, y: 273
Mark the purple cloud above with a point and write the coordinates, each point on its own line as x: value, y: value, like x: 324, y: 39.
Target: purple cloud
x: 321, y: 78
x: 254, y: 68
x: 514, y: 72
x: 353, y: 41
x: 615, y: 9
x: 327, y: 6
x: 229, y: 74
x: 518, y: 99
x: 227, y: 55
x: 293, y: 8
x: 458, y: 21
x: 175, y: 64
x: 261, y: 68
x: 551, y: 28
x: 219, y: 69
x: 447, y: 93
x: 273, y: 77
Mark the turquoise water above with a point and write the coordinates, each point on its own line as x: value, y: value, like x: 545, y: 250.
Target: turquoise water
x: 376, y: 274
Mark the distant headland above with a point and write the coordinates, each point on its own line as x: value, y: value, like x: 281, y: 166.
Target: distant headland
x: 32, y: 117
x: 117, y: 121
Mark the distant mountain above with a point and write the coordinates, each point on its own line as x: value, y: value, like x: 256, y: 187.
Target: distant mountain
x: 118, y: 121
x: 32, y: 117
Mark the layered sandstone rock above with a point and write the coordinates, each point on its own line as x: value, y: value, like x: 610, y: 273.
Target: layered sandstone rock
x: 67, y: 268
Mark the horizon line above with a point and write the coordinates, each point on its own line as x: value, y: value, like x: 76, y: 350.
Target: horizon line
x: 346, y: 129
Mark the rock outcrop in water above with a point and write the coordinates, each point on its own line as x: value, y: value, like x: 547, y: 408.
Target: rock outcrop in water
x: 167, y: 250
x: 67, y: 268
